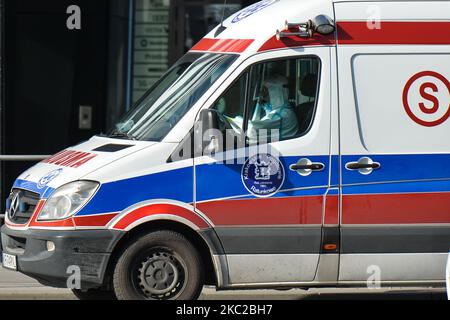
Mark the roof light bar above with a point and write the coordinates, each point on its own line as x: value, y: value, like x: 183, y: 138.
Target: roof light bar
x: 321, y: 24
x: 289, y: 25
x: 284, y: 34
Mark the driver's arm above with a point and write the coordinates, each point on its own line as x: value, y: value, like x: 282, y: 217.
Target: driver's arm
x: 256, y: 113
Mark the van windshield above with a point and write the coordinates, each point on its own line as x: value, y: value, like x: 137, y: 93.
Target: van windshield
x: 160, y: 109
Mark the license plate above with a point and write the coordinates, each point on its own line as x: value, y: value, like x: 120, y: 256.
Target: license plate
x: 9, y: 261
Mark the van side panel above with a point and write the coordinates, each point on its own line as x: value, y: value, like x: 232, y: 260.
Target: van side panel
x: 275, y: 239
x: 394, y: 91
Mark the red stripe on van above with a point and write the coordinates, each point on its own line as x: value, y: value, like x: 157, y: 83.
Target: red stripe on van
x: 396, y: 208
x: 359, y: 32
x: 331, y: 214
x: 154, y: 209
x: 99, y: 220
x: 393, y: 32
x: 223, y: 45
x: 269, y: 211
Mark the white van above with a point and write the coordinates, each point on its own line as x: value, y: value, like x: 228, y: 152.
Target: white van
x: 323, y: 160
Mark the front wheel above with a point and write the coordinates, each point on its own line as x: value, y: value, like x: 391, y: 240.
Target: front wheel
x: 162, y: 265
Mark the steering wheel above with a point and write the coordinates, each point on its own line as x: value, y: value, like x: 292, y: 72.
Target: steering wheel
x: 224, y: 120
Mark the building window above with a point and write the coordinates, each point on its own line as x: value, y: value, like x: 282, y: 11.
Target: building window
x: 150, y: 45
x: 163, y: 30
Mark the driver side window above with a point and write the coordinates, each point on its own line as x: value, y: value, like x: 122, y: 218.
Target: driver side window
x: 231, y: 105
x: 273, y: 100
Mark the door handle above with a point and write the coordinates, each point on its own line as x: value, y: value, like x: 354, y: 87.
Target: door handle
x: 365, y: 165
x: 305, y: 167
x: 312, y: 166
x: 357, y: 165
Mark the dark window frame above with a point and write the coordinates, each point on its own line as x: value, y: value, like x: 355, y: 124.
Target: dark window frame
x: 247, y: 72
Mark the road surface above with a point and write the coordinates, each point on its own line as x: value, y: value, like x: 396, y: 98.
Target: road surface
x: 16, y: 286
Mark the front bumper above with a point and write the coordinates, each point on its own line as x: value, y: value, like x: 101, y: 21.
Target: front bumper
x: 88, y: 250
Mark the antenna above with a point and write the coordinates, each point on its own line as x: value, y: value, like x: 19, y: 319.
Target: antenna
x: 221, y: 27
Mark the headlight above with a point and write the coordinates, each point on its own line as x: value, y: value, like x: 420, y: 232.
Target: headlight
x: 67, y: 200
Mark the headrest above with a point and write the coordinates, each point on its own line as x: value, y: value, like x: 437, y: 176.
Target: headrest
x: 308, y: 86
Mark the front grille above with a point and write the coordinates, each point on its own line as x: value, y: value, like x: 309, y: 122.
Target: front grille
x: 21, y: 205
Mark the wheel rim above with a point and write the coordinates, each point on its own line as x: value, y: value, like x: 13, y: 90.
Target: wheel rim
x: 161, y: 274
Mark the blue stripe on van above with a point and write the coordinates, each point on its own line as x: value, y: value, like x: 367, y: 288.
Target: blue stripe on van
x: 399, y: 168
x: 119, y: 195
x: 224, y: 181
x: 398, y: 174
x: 33, y: 187
x: 216, y: 181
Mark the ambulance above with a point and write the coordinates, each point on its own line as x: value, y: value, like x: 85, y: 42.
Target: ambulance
x: 301, y: 143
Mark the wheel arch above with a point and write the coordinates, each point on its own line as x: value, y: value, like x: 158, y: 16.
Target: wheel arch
x: 205, y: 241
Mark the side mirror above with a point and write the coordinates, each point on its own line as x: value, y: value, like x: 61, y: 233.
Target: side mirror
x: 209, y: 119
x: 206, y: 128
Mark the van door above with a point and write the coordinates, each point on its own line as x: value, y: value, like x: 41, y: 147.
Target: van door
x: 265, y: 197
x: 394, y: 93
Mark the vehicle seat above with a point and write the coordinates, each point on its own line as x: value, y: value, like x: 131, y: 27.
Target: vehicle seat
x: 305, y: 111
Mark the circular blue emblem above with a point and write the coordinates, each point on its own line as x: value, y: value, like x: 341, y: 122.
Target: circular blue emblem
x: 47, y: 178
x: 252, y: 9
x: 262, y: 175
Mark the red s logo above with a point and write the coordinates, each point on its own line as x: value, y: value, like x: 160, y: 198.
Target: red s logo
x: 429, y: 97
x: 422, y: 90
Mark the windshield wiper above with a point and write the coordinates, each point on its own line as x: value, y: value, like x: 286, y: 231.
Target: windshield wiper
x: 122, y: 135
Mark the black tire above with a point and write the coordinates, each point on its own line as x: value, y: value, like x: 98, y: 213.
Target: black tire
x: 162, y: 265
x: 94, y: 294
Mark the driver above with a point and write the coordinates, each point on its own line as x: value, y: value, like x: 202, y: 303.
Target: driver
x: 273, y: 110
